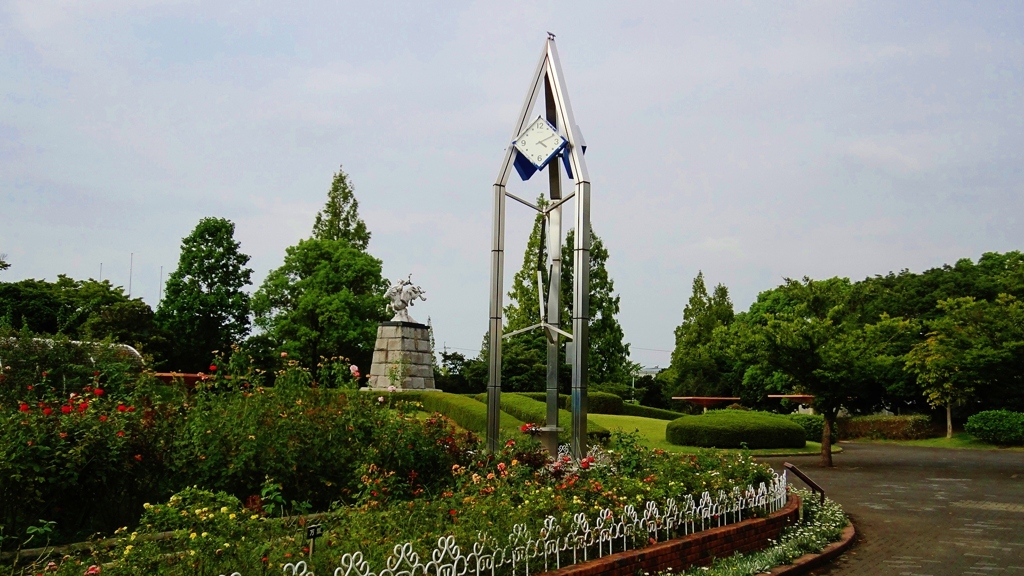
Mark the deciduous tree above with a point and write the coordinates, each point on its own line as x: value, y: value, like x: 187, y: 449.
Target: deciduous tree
x: 325, y: 300
x: 205, y: 307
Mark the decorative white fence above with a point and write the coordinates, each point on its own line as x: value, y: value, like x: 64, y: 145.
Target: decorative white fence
x: 554, y: 546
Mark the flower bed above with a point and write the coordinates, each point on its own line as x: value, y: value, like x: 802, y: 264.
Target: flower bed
x: 821, y: 525
x: 512, y: 492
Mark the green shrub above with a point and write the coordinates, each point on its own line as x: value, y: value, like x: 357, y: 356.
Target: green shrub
x: 734, y: 429
x: 913, y: 427
x: 465, y: 411
x: 997, y: 426
x: 529, y: 410
x: 597, y: 402
x: 813, y: 425
x: 649, y: 412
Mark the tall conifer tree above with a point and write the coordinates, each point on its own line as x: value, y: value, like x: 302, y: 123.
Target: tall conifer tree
x: 339, y: 219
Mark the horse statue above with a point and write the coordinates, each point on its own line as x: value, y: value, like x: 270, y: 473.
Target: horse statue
x: 402, y: 295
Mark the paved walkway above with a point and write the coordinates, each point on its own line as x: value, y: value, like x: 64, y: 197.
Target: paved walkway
x: 925, y: 511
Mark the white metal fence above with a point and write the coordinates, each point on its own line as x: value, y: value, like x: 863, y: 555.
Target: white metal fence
x: 553, y: 546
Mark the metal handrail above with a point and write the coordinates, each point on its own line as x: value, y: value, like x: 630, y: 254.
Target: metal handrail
x: 811, y: 483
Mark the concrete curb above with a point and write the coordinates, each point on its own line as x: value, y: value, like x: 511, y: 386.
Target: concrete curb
x: 807, y: 562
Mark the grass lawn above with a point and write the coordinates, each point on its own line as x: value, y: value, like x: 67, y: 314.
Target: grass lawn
x: 960, y: 440
x: 654, y: 431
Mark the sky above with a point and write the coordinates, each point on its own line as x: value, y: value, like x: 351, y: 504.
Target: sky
x: 753, y: 141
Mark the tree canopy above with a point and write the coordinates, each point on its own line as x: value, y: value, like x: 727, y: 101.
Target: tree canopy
x: 205, y: 307
x: 325, y: 300
x: 339, y: 219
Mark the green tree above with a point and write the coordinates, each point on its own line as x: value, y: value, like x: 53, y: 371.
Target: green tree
x: 610, y: 366
x: 969, y: 347
x: 3, y: 262
x: 815, y: 346
x: 325, y: 300
x: 339, y: 219
x: 698, y: 364
x: 204, y: 306
x: 81, y: 310
x: 524, y: 356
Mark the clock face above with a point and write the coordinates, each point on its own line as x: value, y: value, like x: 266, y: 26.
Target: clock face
x: 539, y: 142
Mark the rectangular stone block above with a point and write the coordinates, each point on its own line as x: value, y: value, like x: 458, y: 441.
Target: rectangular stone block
x: 394, y: 344
x: 380, y: 356
x: 389, y: 332
x: 421, y: 371
x: 423, y: 345
x: 409, y: 332
x: 378, y: 370
x: 414, y: 383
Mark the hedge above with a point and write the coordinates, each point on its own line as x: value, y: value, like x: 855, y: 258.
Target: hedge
x: 597, y: 402
x: 529, y: 410
x: 813, y: 425
x: 464, y: 410
x: 735, y: 429
x: 649, y: 412
x: 913, y: 427
x: 997, y: 426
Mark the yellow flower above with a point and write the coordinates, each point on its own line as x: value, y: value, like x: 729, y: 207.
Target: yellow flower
x: 205, y: 534
x: 192, y: 552
x: 192, y: 536
x: 231, y: 516
x: 224, y: 510
x: 127, y: 549
x: 147, y: 505
x: 134, y: 534
x: 254, y: 517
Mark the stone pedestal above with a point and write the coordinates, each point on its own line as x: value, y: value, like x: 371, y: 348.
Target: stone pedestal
x: 402, y: 346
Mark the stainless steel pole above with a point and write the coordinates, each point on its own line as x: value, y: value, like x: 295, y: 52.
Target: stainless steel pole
x: 554, y: 247
x: 494, y: 333
x: 580, y: 319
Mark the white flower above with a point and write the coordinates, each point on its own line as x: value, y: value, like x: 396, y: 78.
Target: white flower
x: 380, y: 399
x: 391, y: 388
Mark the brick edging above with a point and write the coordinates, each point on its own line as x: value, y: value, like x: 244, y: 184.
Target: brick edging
x: 810, y: 561
x: 697, y: 549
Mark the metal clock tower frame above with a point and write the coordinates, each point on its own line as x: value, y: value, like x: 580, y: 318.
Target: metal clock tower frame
x: 548, y: 77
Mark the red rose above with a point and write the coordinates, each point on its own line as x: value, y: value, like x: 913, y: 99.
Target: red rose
x: 29, y: 386
x: 131, y: 408
x: 305, y: 549
x: 138, y: 457
x: 121, y: 408
x: 103, y: 418
x: 96, y: 373
x: 24, y: 408
x: 47, y: 411
x: 98, y: 391
x: 213, y: 367
x: 453, y: 512
x: 65, y: 409
x: 92, y: 570
x: 83, y: 406
x: 120, y: 433
x: 45, y: 373
x: 584, y: 463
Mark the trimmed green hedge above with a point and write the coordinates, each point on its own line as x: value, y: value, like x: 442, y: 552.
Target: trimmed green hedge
x: 734, y: 429
x: 529, y: 410
x: 597, y: 402
x: 813, y: 425
x: 649, y: 412
x: 462, y: 409
x: 914, y: 427
x: 997, y: 426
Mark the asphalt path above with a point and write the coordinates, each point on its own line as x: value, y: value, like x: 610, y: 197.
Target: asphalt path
x: 925, y: 511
